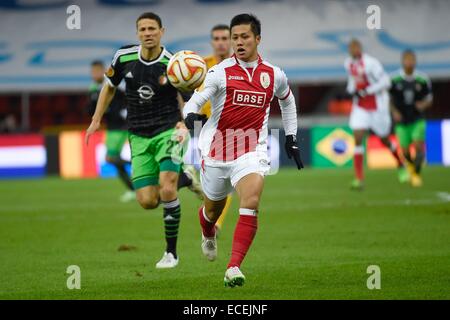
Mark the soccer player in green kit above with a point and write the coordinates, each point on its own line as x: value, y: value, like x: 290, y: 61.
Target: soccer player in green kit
x: 156, y: 130
x: 411, y: 95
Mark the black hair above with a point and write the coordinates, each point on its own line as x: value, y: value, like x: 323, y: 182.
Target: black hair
x: 149, y: 15
x: 97, y: 63
x: 219, y: 27
x: 246, y: 18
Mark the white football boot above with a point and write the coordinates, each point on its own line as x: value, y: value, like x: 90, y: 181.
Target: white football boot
x: 196, y: 186
x: 233, y: 277
x: 209, y: 247
x: 167, y: 261
x: 128, y: 196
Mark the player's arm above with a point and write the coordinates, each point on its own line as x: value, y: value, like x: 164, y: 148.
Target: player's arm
x: 104, y: 100
x: 351, y: 86
x: 199, y: 98
x: 396, y: 114
x: 113, y: 78
x: 288, y: 108
x: 382, y: 79
x: 182, y: 131
x: 427, y: 101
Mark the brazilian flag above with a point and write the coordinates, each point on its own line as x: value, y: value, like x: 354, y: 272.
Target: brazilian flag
x: 332, y: 146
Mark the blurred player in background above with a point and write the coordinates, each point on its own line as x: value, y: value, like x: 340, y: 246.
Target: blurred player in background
x: 116, y: 126
x: 221, y: 45
x: 154, y: 124
x: 241, y: 89
x: 411, y: 95
x: 369, y: 84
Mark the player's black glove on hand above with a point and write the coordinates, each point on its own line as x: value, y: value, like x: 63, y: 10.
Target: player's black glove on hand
x: 360, y: 93
x: 293, y: 151
x: 192, y: 117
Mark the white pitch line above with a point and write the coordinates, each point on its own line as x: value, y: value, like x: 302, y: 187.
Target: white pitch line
x: 444, y: 196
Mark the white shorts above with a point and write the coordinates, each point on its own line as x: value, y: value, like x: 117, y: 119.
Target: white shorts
x: 219, y: 181
x: 379, y: 121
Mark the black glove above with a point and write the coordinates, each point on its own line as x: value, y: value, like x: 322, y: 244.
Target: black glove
x: 192, y: 117
x: 360, y: 93
x: 293, y: 151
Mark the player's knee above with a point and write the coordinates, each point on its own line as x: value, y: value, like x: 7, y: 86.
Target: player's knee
x: 147, y: 202
x: 168, y: 192
x: 250, y: 202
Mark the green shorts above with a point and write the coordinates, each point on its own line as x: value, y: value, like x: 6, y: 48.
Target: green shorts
x: 150, y: 156
x: 411, y: 132
x: 115, y: 139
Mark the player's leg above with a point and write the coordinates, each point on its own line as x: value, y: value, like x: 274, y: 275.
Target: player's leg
x: 418, y: 138
x: 169, y: 153
x: 404, y: 138
x: 381, y: 124
x: 145, y: 172
x: 171, y: 213
x: 216, y: 186
x: 359, y: 122
x: 358, y: 159
x: 188, y: 176
x: 249, y: 189
x: 115, y: 139
x: 224, y: 213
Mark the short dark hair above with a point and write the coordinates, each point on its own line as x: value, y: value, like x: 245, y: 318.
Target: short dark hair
x: 246, y: 18
x: 408, y: 52
x: 149, y: 15
x: 98, y: 63
x: 219, y: 27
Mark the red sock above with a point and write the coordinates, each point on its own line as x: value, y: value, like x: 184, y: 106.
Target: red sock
x: 243, y: 236
x: 358, y: 162
x: 207, y: 227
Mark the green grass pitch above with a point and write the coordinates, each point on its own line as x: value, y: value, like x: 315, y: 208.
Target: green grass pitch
x: 316, y: 239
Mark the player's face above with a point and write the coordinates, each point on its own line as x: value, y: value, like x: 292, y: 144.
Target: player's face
x: 244, y: 42
x: 220, y: 42
x: 409, y: 63
x: 355, y: 50
x: 97, y: 73
x: 149, y: 33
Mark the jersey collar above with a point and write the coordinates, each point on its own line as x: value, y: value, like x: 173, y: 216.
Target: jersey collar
x: 408, y: 77
x: 148, y: 63
x: 245, y: 65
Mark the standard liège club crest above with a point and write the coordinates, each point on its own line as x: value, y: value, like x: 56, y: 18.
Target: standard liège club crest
x: 265, y: 80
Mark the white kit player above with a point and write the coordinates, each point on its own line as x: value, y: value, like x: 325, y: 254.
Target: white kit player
x: 369, y: 84
x: 233, y: 141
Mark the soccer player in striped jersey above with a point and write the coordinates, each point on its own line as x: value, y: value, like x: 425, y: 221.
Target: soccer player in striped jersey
x: 154, y: 125
x: 411, y: 96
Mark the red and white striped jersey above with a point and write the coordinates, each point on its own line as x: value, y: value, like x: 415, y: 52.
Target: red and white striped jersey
x: 368, y: 74
x: 241, y: 94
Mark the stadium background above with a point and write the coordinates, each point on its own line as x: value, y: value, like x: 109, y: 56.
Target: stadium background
x: 44, y: 71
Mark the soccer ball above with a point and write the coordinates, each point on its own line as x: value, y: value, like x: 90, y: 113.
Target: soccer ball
x: 186, y: 70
